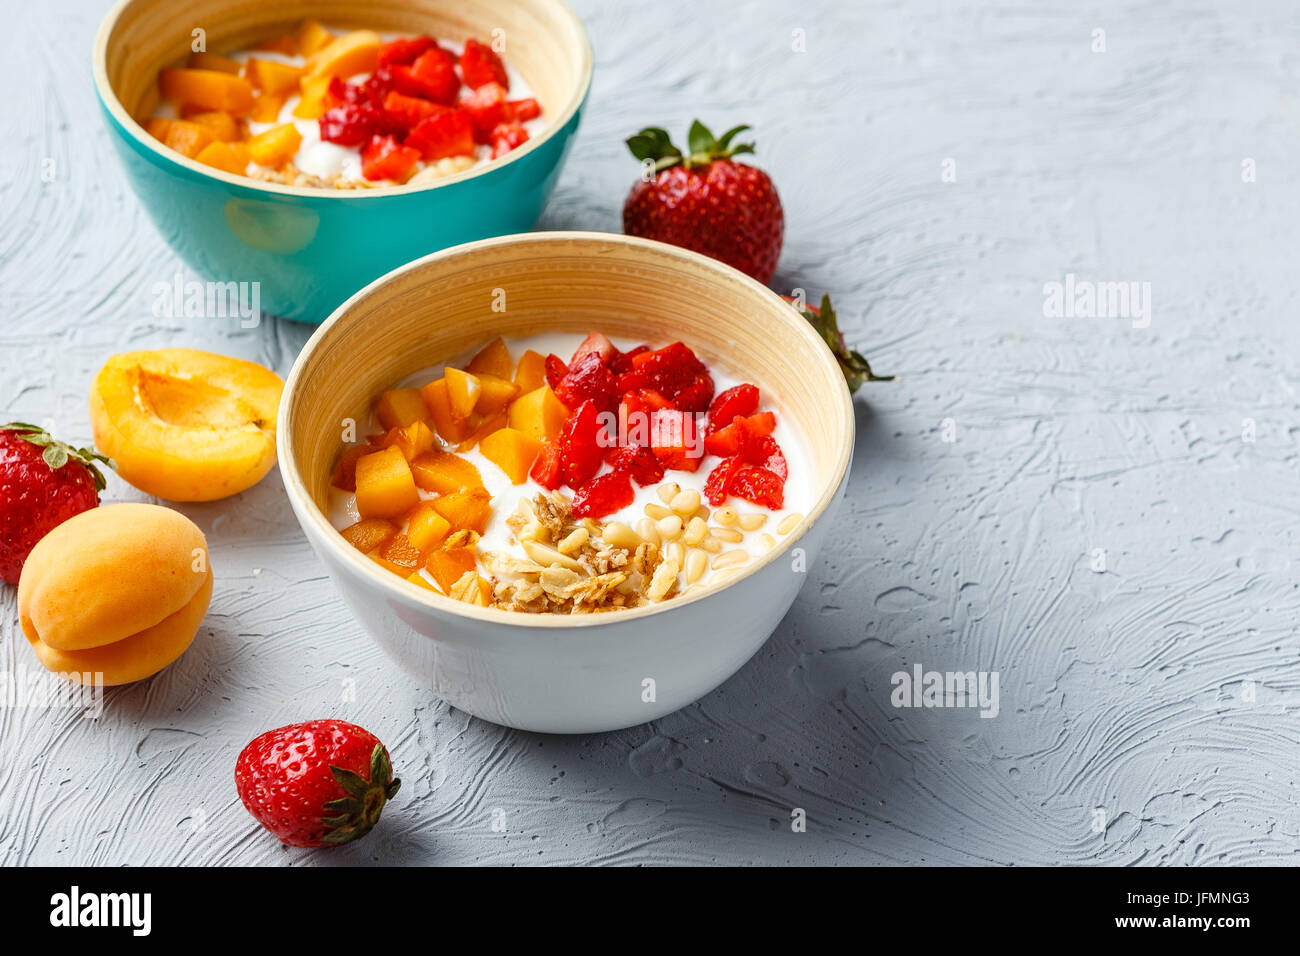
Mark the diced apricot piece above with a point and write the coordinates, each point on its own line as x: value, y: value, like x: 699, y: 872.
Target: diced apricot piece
x: 531, y: 373
x: 188, y: 139
x: 445, y: 473
x: 438, y: 403
x: 213, y: 61
x: 222, y: 126
x: 538, y: 413
x: 276, y: 146
x: 483, y: 428
x: 419, y: 579
x: 230, y: 157
x: 345, y: 472
x: 413, y: 440
x: 512, y: 451
x: 493, y: 359
x: 494, y: 394
x: 355, y: 52
x: 272, y: 77
x: 400, y: 407
x: 462, y: 393
x: 186, y: 425
x: 398, y: 569
x: 385, y: 486
x: 369, y: 534
x: 157, y: 127
x: 399, y: 550
x: 447, y: 566
x: 467, y: 510
x: 285, y: 43
x: 312, y: 104
x: 426, y: 529
x: 266, y: 108
x: 312, y: 37
x: 210, y: 89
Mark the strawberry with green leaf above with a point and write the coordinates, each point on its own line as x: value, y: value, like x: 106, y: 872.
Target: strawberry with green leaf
x: 853, y: 364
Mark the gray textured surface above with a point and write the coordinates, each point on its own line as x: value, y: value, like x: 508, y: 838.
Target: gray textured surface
x: 1121, y: 691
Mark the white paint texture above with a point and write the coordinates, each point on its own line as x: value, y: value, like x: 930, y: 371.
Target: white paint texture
x: 1121, y: 690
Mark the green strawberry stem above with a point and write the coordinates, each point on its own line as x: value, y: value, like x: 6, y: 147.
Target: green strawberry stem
x: 356, y: 814
x: 57, y: 454
x: 655, y: 144
x: 853, y: 364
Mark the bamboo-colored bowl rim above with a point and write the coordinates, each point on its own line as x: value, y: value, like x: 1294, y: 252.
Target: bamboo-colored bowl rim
x: 142, y: 137
x: 398, y: 589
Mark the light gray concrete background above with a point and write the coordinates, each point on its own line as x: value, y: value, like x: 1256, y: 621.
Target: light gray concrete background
x: 1073, y: 503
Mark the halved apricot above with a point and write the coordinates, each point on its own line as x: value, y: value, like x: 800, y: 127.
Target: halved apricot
x: 186, y: 425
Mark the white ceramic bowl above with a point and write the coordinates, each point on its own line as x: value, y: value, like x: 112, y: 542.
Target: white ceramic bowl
x: 549, y: 673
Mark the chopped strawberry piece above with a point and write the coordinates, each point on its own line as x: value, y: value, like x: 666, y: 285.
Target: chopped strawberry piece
x: 738, y: 400
x: 695, y: 397
x: 487, y: 107
x: 385, y: 158
x: 622, y: 362
x: 341, y: 92
x: 524, y: 110
x: 479, y: 65
x: 718, y: 485
x: 759, y: 486
x: 410, y: 110
x: 447, y: 133
x: 638, y: 463
x: 506, y: 137
x: 404, y: 50
x: 731, y: 439
x: 546, y: 466
x: 588, y: 379
x: 376, y: 85
x: 432, y: 76
x: 672, y: 371
x: 603, y: 495
x: 595, y: 342
x: 555, y: 371
x: 763, y: 451
x: 581, y: 448
x: 355, y: 123
x: 674, y: 439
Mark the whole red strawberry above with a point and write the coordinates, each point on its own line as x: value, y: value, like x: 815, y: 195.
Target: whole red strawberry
x: 705, y: 201
x: 43, y: 483
x: 318, y: 783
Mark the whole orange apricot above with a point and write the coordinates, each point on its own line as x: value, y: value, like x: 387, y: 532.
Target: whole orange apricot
x: 186, y: 425
x: 117, y: 591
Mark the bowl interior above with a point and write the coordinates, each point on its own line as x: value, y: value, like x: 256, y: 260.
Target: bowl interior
x: 544, y: 40
x: 442, y: 306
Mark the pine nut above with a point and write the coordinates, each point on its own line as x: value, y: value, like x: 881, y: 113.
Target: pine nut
x: 670, y: 527
x: 731, y: 559
x: 730, y: 535
x: 590, y: 525
x: 676, y: 551
x: 752, y: 522
x: 657, y: 511
x: 696, y: 562
x: 620, y: 535
x: 663, y: 579
x: 685, y: 502
x: 788, y: 522
x: 769, y: 541
x: 668, y: 491
x: 702, y: 512
x: 546, y: 555
x: 720, y: 578
x: 574, y: 540
x: 711, y: 544
x: 726, y: 515
x: 695, y: 531
x: 648, y: 530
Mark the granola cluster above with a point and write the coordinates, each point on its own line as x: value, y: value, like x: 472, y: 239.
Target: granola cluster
x: 572, y: 568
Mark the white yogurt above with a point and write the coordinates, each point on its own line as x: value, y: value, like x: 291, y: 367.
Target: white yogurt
x: 800, y: 490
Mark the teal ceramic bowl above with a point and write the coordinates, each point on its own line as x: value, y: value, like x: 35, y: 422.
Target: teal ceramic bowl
x: 310, y: 249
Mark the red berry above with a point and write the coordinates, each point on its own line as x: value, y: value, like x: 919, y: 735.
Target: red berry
x: 598, y: 343
x: 731, y: 439
x: 404, y: 50
x: 410, y: 110
x: 319, y: 783
x: 434, y: 74
x: 706, y: 201
x: 587, y: 378
x: 603, y: 495
x: 622, y: 361
x: 546, y: 466
x: 673, y: 371
x: 762, y: 450
x: 447, y: 133
x: 385, y: 158
x: 555, y: 371
x: 43, y: 483
x: 488, y: 109
x: 479, y: 64
x: 717, y: 487
x: 759, y: 486
x: 581, y: 450
x: 738, y: 400
x: 524, y: 110
x: 638, y: 463
x: 675, y: 440
x: 507, y: 136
